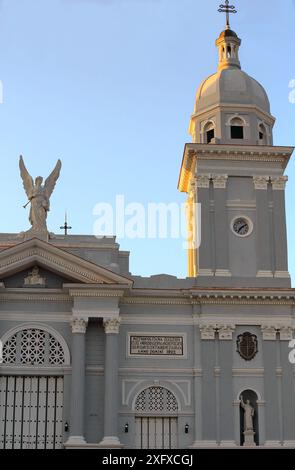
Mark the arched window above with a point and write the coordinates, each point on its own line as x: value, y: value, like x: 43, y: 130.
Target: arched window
x: 33, y: 347
x: 262, y: 134
x: 237, y: 128
x: 156, y: 400
x: 249, y: 418
x: 209, y: 132
x: 156, y: 426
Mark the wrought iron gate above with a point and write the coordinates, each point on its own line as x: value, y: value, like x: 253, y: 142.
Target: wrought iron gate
x: 31, y: 412
x: 156, y: 433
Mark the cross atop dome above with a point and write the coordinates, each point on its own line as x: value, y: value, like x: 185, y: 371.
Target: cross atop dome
x: 227, y: 8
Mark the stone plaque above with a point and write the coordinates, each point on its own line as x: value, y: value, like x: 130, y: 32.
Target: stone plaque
x: 156, y: 345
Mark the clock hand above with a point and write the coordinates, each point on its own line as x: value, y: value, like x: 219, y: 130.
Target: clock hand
x: 241, y: 228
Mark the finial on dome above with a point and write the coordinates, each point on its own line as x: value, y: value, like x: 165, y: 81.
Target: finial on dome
x: 227, y: 8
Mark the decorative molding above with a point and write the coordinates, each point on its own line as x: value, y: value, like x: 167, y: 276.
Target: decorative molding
x: 286, y: 333
x: 79, y: 325
x: 55, y: 317
x: 206, y: 272
x: 279, y: 183
x: 269, y: 332
x: 207, y: 331
x: 264, y: 274
x: 35, y: 251
x: 99, y: 313
x: 112, y: 326
x: 239, y: 372
x: 203, y: 181
x: 282, y: 274
x: 217, y: 371
x: 223, y: 273
x: 95, y: 293
x: 239, y: 204
x: 225, y: 332
x: 19, y: 295
x: 261, y: 182
x: 220, y: 181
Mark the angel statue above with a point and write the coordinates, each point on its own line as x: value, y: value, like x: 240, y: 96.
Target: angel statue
x: 39, y: 196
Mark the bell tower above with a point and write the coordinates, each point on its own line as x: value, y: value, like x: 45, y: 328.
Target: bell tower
x: 235, y: 174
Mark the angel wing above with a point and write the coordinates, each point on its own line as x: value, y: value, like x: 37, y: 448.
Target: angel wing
x: 52, y: 179
x: 26, y: 177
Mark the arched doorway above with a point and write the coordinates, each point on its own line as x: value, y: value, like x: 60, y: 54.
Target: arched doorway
x: 252, y: 397
x: 31, y: 389
x: 156, y: 421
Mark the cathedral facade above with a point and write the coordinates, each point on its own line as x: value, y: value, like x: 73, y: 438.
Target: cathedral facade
x: 93, y: 356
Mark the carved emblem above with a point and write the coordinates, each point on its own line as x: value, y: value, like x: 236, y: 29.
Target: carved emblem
x: 247, y: 346
x: 35, y: 279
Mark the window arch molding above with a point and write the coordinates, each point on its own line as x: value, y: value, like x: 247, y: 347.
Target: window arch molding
x: 258, y: 394
x: 262, y: 128
x: 38, y: 326
x: 233, y: 117
x: 173, y: 388
x: 206, y: 125
x: 157, y: 399
x: 208, y: 131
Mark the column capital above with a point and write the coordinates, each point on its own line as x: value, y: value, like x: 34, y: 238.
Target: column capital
x: 79, y: 325
x: 207, y: 331
x: 203, y: 181
x: 269, y: 332
x: 260, y: 182
x: 286, y: 333
x: 279, y: 182
x: 226, y: 331
x: 112, y: 326
x: 219, y: 181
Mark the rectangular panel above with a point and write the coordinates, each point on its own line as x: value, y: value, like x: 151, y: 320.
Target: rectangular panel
x: 18, y: 414
x: 10, y: 412
x: 41, y: 438
x: 59, y: 413
x: 26, y: 421
x: 3, y: 389
x: 174, y: 433
x: 51, y: 412
x: 156, y: 345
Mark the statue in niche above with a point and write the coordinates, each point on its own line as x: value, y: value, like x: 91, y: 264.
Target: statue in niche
x: 248, y: 414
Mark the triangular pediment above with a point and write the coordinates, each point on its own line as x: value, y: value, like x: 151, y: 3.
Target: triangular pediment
x: 67, y: 266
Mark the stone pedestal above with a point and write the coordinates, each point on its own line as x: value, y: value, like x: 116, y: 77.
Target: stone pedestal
x: 249, y: 439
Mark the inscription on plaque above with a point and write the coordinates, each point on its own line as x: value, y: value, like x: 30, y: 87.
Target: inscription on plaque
x: 151, y: 345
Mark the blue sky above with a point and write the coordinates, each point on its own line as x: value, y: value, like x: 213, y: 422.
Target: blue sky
x: 108, y: 86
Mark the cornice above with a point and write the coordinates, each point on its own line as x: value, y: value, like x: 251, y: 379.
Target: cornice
x: 20, y: 295
x: 258, y: 153
x: 95, y: 293
x: 19, y: 256
x: 227, y: 107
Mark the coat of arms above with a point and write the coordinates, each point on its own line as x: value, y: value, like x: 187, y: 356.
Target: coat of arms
x: 247, y: 345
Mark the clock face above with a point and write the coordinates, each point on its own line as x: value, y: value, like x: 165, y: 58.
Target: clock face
x: 241, y: 227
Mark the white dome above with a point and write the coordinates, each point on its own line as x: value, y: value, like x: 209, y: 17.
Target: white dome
x: 231, y: 86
